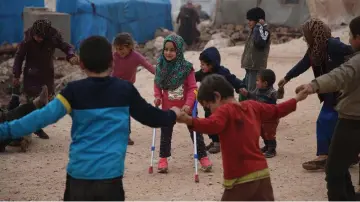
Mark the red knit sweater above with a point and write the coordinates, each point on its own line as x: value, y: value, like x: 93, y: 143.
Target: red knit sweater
x: 238, y: 126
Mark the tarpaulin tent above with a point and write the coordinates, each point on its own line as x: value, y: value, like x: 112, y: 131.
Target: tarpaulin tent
x: 290, y: 13
x: 11, y: 24
x: 107, y: 18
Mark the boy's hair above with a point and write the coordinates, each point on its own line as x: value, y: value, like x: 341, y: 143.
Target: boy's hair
x: 214, y: 83
x: 124, y: 39
x: 96, y: 54
x: 267, y: 75
x: 255, y: 14
x: 355, y: 26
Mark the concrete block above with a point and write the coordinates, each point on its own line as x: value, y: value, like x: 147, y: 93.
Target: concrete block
x: 60, y: 21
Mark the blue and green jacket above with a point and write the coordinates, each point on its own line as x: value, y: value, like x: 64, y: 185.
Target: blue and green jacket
x: 100, y: 109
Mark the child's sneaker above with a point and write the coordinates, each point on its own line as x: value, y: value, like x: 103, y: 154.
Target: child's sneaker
x: 270, y: 153
x: 215, y: 148
x: 163, y: 165
x: 209, y: 146
x: 206, y: 164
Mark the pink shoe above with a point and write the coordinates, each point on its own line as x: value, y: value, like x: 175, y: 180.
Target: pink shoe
x: 206, y: 164
x: 163, y: 165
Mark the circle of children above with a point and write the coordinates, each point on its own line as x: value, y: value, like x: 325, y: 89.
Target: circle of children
x: 101, y: 105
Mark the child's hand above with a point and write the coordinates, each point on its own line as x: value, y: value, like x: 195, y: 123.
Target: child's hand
x: 282, y: 83
x: 157, y: 102
x: 307, y: 87
x: 177, y: 111
x: 243, y: 92
x: 301, y: 95
x: 74, y: 60
x: 186, y: 109
x: 184, y: 118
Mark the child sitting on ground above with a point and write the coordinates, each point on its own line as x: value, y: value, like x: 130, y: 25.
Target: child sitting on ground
x: 246, y: 173
x: 100, y: 107
x: 126, y: 62
x: 21, y: 111
x: 266, y: 93
x: 210, y: 61
x: 175, y: 86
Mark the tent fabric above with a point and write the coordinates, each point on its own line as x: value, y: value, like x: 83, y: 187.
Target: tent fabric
x: 107, y: 18
x: 290, y: 13
x: 11, y: 24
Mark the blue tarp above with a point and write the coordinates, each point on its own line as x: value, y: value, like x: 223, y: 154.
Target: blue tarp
x: 107, y: 18
x: 11, y: 24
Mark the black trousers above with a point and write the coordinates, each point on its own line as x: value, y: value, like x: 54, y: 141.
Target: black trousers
x: 344, y: 148
x: 213, y: 137
x: 165, y: 143
x: 94, y: 190
x: 16, y: 113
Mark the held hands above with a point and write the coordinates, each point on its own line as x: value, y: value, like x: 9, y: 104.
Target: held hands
x: 157, y: 102
x: 74, y: 60
x: 303, y: 91
x: 282, y: 82
x: 306, y: 87
x: 243, y: 92
x: 186, y: 109
x: 181, y: 116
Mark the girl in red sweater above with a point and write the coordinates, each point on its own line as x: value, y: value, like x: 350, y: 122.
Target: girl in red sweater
x: 175, y: 86
x: 126, y: 61
x: 246, y: 173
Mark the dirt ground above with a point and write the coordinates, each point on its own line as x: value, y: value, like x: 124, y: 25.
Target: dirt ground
x: 39, y: 174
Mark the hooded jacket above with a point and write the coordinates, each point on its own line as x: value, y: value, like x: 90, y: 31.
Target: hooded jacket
x: 213, y: 54
x: 238, y: 126
x: 257, y: 48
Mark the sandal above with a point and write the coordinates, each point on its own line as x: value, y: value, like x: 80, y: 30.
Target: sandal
x: 314, y: 165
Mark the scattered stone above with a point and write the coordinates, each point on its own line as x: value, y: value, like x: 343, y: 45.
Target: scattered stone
x: 219, y: 36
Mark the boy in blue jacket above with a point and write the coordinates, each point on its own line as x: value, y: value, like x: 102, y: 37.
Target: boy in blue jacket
x: 100, y: 107
x: 210, y: 61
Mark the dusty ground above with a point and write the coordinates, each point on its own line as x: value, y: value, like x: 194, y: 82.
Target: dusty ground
x: 40, y: 173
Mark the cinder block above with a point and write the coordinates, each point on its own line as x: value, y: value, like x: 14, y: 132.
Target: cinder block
x: 60, y: 21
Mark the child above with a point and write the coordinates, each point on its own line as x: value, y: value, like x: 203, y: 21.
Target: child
x: 323, y: 54
x: 257, y: 47
x: 19, y: 112
x: 126, y: 62
x: 345, y: 143
x: 246, y: 173
x: 210, y: 61
x: 37, y: 49
x: 266, y: 93
x: 174, y: 87
x: 100, y: 107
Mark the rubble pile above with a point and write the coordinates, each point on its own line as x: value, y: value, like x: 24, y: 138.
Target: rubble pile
x: 219, y: 36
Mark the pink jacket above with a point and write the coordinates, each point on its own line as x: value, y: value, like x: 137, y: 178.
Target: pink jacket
x: 187, y: 94
x: 126, y: 68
